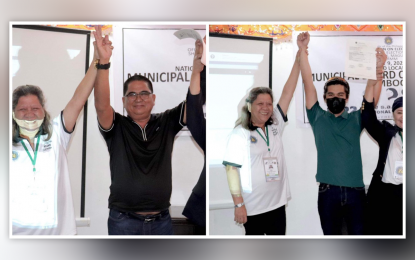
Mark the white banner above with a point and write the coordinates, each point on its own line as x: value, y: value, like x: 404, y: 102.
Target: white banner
x: 327, y: 57
x: 160, y: 56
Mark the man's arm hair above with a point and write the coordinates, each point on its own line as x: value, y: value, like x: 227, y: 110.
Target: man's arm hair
x: 309, y: 88
x: 102, y: 86
x: 102, y: 99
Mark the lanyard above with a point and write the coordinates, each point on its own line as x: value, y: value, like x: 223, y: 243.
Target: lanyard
x: 27, y: 151
x: 267, y: 141
x: 400, y: 133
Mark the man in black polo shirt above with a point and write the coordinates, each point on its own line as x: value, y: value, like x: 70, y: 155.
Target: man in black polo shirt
x: 140, y: 147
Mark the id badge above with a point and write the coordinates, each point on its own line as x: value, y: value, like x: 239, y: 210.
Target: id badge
x: 398, y: 172
x: 271, y: 169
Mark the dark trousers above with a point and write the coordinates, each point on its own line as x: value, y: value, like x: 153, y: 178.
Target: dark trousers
x: 270, y: 223
x: 129, y: 223
x: 385, y: 209
x: 336, y: 203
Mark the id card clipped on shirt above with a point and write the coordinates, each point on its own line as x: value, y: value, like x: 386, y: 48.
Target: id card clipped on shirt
x: 398, y: 172
x: 271, y: 169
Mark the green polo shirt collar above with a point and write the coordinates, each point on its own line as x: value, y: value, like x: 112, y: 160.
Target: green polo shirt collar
x: 345, y: 114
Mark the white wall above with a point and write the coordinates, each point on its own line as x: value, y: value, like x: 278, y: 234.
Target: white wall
x: 301, y: 157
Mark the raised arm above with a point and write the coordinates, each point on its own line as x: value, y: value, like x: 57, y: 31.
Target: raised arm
x: 196, y: 122
x: 102, y: 86
x: 309, y: 88
x: 374, y: 87
x: 78, y: 100
x: 196, y: 70
x: 291, y: 84
x: 235, y: 189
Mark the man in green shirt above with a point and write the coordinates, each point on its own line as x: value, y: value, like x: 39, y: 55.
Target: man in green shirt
x: 339, y: 162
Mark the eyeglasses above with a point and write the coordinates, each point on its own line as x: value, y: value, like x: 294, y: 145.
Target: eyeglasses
x: 144, y: 95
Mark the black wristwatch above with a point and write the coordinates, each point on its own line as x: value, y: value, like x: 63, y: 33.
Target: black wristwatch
x: 102, y: 66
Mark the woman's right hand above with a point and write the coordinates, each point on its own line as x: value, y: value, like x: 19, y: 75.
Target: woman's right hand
x: 241, y: 215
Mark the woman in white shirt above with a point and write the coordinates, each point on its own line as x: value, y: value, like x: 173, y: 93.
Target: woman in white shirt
x: 255, y: 148
x: 41, y: 199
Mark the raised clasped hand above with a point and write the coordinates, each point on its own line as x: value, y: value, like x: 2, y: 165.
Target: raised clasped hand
x: 303, y: 39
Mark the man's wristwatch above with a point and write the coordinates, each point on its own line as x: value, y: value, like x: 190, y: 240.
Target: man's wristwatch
x: 102, y: 66
x: 239, y: 205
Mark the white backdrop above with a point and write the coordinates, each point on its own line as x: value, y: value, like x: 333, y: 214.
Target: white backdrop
x: 327, y: 57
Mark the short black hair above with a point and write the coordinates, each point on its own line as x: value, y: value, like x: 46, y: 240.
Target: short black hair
x: 137, y: 78
x: 337, y: 81
x: 397, y: 103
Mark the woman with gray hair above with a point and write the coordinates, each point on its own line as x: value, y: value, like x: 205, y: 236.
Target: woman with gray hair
x: 255, y: 148
x: 41, y: 199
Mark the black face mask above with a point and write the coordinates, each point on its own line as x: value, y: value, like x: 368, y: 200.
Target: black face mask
x: 336, y: 105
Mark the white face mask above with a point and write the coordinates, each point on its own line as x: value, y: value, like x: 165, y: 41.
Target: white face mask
x: 28, y: 128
